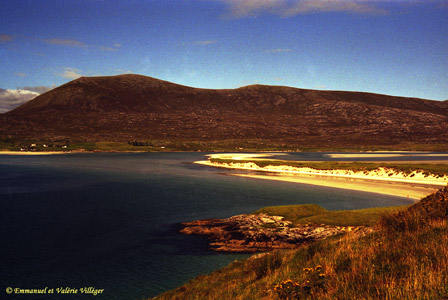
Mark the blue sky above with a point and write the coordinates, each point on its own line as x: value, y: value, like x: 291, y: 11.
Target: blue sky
x: 392, y: 47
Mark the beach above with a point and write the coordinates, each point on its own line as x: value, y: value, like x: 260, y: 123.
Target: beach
x: 394, y: 154
x: 413, y: 186
x: 32, y: 152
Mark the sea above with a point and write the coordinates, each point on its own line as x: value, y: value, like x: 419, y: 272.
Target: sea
x: 111, y: 221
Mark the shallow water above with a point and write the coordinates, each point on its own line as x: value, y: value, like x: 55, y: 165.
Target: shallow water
x: 111, y: 221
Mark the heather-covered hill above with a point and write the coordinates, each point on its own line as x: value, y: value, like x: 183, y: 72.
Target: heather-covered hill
x: 135, y: 107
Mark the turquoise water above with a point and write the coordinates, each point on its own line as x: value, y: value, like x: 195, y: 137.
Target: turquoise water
x: 111, y: 221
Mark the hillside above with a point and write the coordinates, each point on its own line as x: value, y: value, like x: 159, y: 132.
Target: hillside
x: 134, y: 107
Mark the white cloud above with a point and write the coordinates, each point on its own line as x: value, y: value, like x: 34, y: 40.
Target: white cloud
x: 354, y: 6
x: 38, y: 89
x: 78, y: 44
x: 10, y: 99
x: 288, y: 8
x: 245, y: 8
x: 71, y: 73
x: 65, y: 42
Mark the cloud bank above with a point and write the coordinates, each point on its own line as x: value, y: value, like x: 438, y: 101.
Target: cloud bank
x: 10, y: 99
x: 289, y: 8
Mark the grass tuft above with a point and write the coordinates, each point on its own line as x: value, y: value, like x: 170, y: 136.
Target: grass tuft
x: 312, y: 213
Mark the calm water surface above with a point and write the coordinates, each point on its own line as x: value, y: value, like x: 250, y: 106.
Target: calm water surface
x: 111, y: 221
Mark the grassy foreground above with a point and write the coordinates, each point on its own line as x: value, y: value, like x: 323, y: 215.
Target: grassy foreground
x: 312, y: 213
x: 405, y: 257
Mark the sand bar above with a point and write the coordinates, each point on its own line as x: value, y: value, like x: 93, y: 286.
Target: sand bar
x: 380, y: 181
x: 366, y: 155
x: 412, y: 192
x: 243, y: 156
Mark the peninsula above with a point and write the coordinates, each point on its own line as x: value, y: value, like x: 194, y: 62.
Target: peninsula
x: 413, y: 180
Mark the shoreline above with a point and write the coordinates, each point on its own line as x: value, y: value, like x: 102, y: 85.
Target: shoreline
x: 65, y: 152
x: 412, y: 193
x: 396, y: 154
x: 35, y: 152
x: 413, y: 187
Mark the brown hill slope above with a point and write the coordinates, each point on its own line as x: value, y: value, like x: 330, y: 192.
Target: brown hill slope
x: 130, y: 107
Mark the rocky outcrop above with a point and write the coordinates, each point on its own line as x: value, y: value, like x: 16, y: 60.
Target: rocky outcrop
x: 261, y: 232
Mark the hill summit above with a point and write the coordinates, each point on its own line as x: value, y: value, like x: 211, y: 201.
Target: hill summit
x: 135, y: 107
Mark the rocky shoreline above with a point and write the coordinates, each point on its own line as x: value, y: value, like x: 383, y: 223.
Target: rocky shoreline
x: 262, y: 232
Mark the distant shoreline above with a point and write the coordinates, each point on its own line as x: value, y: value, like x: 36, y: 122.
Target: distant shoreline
x: 35, y: 152
x: 31, y: 153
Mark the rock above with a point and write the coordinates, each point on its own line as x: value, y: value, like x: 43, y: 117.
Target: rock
x: 259, y: 232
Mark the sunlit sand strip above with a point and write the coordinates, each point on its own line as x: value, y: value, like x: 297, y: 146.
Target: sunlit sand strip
x: 379, y: 175
x: 398, y: 189
x: 243, y: 156
x: 372, y: 182
x: 408, y: 162
x: 32, y: 152
x: 366, y: 155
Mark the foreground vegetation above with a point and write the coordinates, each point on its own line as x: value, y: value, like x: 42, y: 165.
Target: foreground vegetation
x: 405, y: 257
x: 312, y: 213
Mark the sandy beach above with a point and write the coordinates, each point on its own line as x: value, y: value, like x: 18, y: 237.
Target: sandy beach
x: 412, y: 192
x: 397, y: 154
x: 32, y: 152
x: 382, y: 181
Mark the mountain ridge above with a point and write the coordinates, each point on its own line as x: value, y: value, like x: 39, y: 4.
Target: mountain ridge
x: 128, y: 107
x: 131, y: 81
